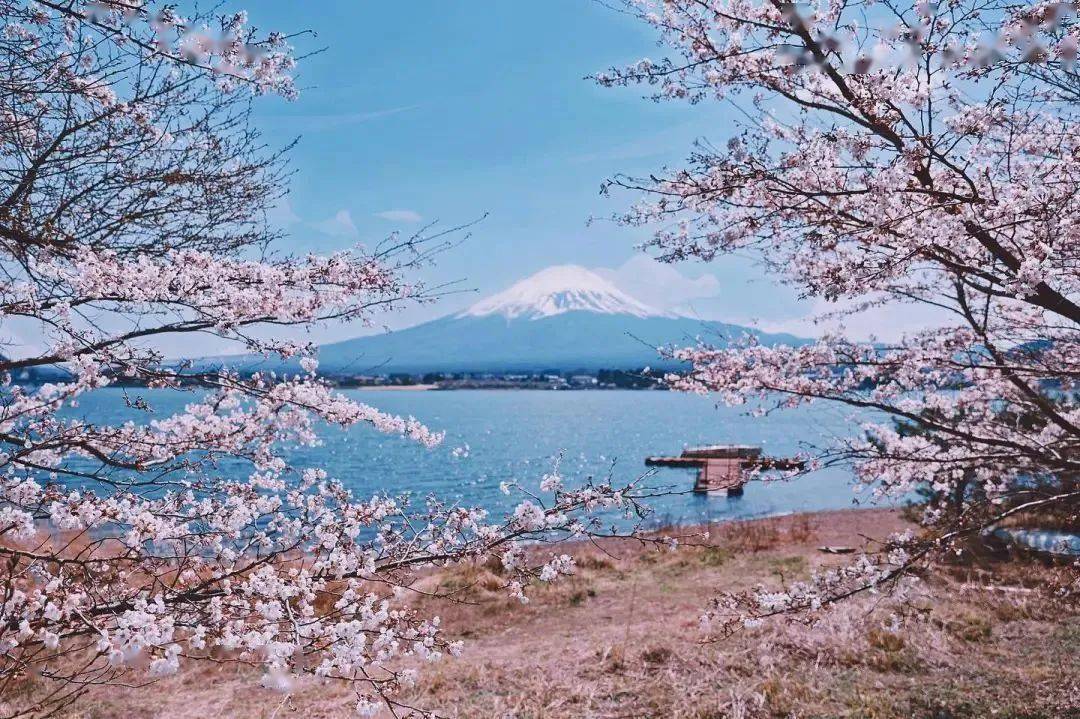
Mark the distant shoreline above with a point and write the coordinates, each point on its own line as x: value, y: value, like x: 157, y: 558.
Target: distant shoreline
x: 485, y: 387
x: 602, y: 380
x: 491, y: 387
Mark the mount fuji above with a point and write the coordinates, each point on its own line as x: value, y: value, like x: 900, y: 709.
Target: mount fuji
x: 558, y: 290
x: 562, y: 318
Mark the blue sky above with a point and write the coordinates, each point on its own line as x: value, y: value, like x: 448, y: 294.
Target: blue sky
x: 446, y: 111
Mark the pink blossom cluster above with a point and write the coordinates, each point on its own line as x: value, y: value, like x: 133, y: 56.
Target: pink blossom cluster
x: 734, y: 612
x: 290, y: 576
x: 226, y: 45
x: 134, y: 195
x: 892, y: 155
x: 232, y: 291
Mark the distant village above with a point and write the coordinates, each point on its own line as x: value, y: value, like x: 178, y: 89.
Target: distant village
x: 644, y: 378
x: 551, y: 379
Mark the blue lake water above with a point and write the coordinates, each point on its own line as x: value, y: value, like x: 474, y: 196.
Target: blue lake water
x: 516, y: 435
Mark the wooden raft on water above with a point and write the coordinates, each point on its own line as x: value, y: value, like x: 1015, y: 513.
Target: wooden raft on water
x: 723, y: 467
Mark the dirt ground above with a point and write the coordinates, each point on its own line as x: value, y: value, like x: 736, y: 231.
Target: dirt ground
x: 622, y: 639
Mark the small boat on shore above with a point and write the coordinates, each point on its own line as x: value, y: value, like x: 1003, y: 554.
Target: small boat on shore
x: 1042, y: 541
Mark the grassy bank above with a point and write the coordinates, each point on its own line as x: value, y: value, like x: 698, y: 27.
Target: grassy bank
x: 621, y: 639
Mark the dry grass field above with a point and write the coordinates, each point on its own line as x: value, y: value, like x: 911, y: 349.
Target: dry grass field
x: 621, y: 639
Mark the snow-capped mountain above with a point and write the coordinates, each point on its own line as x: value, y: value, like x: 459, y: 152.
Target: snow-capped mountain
x: 562, y: 318
x: 558, y: 290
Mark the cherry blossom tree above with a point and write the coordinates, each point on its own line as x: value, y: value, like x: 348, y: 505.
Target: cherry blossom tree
x: 887, y: 156
x: 134, y: 193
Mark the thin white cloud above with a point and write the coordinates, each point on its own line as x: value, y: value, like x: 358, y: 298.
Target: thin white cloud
x: 658, y: 284
x: 739, y: 291
x: 340, y: 225
x: 21, y: 337
x: 283, y: 215
x: 410, y: 216
x: 331, y: 121
x: 885, y: 323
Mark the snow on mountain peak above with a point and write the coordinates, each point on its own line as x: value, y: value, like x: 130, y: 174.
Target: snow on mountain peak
x: 559, y: 289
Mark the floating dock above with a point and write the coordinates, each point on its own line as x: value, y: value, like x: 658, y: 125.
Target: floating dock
x: 723, y: 467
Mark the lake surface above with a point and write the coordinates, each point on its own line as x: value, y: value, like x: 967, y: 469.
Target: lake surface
x: 516, y: 435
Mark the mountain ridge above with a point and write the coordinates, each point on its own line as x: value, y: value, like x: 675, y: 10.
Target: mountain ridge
x: 563, y: 318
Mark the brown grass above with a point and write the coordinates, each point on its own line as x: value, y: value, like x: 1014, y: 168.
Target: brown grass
x: 621, y: 639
